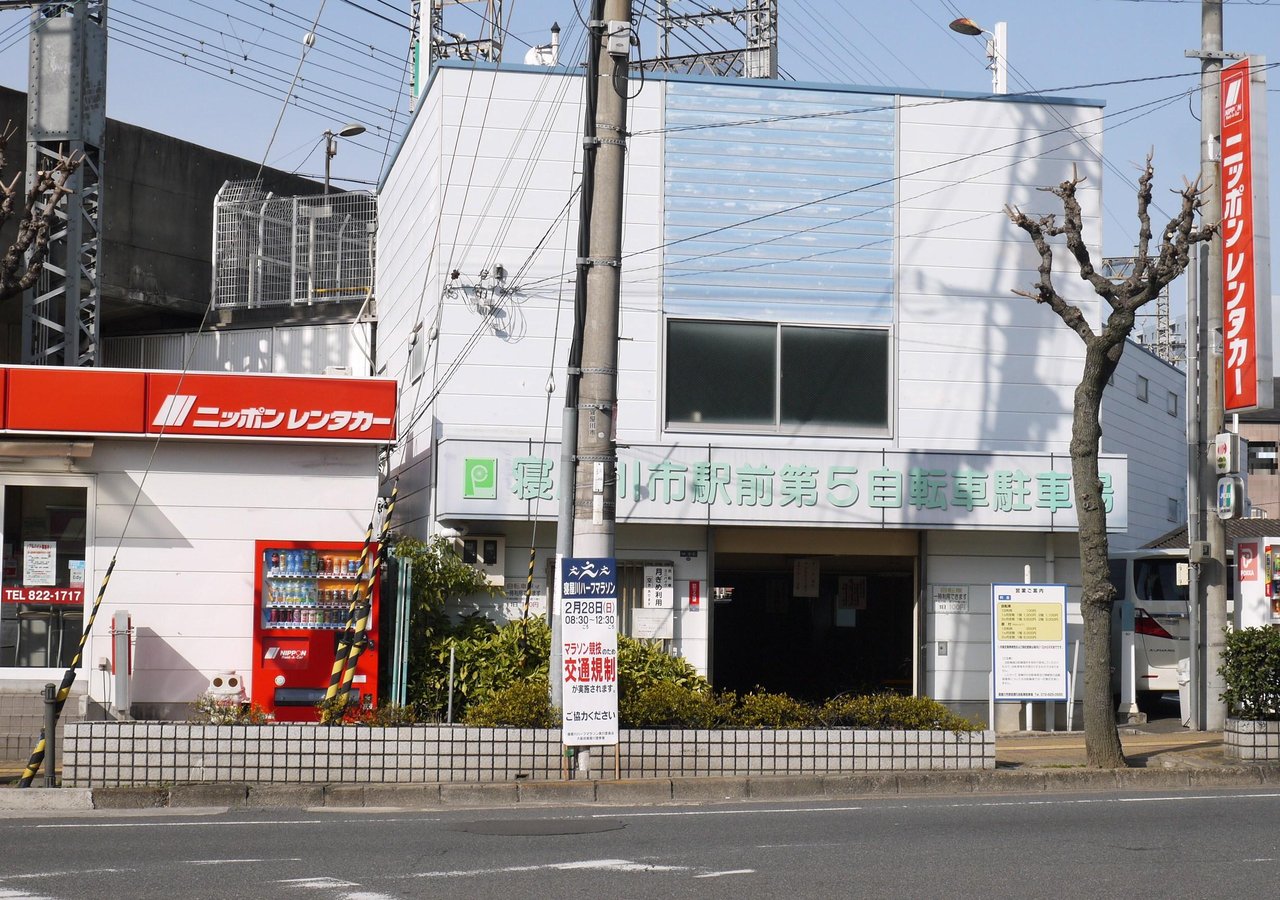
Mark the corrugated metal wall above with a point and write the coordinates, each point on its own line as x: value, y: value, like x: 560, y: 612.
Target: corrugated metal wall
x: 301, y: 350
x: 782, y: 201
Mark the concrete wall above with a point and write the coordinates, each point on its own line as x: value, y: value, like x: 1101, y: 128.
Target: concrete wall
x: 158, y: 224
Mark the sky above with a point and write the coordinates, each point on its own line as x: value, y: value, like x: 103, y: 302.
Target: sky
x: 216, y: 72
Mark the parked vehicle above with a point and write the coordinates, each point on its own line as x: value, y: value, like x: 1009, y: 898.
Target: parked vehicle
x: 1147, y: 581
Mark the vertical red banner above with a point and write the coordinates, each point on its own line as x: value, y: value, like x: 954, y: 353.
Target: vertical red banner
x: 1239, y: 271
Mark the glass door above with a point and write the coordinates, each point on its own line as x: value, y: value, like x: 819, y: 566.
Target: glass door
x: 42, y: 586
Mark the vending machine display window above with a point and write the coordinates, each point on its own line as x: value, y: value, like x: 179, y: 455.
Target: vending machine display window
x: 309, y: 597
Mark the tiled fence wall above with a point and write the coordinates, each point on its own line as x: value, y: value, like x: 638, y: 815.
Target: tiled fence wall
x: 1252, y: 741
x: 104, y: 754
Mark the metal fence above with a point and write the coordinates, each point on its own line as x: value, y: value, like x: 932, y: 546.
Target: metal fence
x: 275, y: 251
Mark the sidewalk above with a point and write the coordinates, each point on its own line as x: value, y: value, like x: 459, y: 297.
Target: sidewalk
x: 1143, y: 748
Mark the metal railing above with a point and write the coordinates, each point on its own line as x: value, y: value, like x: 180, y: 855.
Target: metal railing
x: 276, y: 251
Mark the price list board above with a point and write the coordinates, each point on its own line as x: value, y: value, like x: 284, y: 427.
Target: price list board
x: 1029, y: 641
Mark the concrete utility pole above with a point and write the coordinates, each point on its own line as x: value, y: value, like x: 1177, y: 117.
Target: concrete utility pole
x: 595, y: 495
x: 1213, y: 570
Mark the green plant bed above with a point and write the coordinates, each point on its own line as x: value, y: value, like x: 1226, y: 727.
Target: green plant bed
x: 1251, y: 669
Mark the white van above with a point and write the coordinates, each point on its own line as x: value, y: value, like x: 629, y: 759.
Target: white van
x: 1147, y: 582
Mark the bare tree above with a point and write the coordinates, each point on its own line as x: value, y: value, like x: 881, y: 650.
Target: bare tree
x: 1103, y: 350
x: 36, y: 220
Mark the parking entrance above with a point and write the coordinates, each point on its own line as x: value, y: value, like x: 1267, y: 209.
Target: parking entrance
x: 771, y: 631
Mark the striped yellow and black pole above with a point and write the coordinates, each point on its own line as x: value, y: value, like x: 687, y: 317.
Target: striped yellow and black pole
x: 68, y: 679
x: 359, y: 634
x: 346, y: 637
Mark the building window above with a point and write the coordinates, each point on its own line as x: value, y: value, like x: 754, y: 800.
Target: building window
x: 771, y: 377
x: 44, y: 575
x: 417, y: 354
x: 1175, y: 509
x: 1171, y: 405
x: 1142, y: 389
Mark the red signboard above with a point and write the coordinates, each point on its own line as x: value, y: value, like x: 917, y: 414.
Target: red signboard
x: 87, y: 401
x: 71, y: 596
x: 1247, y: 561
x: 281, y: 407
x: 50, y: 400
x: 1242, y: 333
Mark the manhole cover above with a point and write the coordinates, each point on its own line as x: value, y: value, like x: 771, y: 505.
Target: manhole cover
x: 534, y: 827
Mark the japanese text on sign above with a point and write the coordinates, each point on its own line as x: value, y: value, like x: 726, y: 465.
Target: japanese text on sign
x: 1029, y: 641
x: 589, y: 650
x: 799, y: 485
x: 1240, y: 315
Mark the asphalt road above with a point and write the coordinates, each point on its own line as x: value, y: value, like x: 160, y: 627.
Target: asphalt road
x: 1203, y: 844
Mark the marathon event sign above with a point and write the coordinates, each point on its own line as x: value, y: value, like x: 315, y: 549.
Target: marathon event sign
x: 589, y: 645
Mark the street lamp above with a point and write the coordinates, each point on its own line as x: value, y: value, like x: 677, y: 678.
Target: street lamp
x: 997, y: 48
x: 331, y: 145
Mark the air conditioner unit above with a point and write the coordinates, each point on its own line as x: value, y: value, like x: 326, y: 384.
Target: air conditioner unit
x: 488, y: 553
x: 1257, y: 512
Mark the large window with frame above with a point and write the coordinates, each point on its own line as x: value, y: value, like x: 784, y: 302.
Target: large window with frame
x: 765, y: 376
x: 43, y: 583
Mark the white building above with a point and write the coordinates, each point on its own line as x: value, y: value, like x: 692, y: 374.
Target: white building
x: 836, y: 422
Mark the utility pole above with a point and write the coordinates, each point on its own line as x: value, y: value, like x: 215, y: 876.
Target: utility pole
x: 1212, y: 580
x: 591, y: 382
x: 595, y: 495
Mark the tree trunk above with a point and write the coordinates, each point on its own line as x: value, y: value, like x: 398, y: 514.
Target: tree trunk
x: 1101, y: 737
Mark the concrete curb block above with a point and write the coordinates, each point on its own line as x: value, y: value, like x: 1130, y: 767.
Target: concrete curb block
x: 281, y: 796
x: 38, y: 799
x: 639, y: 790
x: 781, y: 787
x: 235, y: 796
x: 937, y: 783
x: 643, y: 790
x: 557, y: 791
x: 488, y: 794
x: 129, y: 798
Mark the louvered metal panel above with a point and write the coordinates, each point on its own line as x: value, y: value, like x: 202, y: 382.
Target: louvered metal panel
x: 779, y: 204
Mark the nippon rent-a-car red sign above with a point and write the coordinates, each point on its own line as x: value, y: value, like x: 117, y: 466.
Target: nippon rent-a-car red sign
x: 53, y: 400
x: 231, y: 406
x: 1245, y: 275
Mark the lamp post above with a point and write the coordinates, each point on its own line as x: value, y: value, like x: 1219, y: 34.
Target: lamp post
x: 331, y: 145
x: 997, y: 50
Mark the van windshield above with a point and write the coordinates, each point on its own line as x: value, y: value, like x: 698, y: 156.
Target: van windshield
x: 1155, y: 581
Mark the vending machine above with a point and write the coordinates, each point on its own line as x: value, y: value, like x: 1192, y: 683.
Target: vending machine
x: 303, y: 595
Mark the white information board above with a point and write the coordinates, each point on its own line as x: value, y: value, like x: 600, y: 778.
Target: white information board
x: 948, y: 598
x: 589, y: 645
x: 1029, y: 641
x: 659, y: 587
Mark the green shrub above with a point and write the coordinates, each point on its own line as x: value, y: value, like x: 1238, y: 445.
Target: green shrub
x: 644, y: 663
x: 521, y: 704
x: 212, y: 709
x: 891, y: 712
x: 671, y: 705
x: 486, y: 659
x: 762, y: 709
x: 1251, y: 669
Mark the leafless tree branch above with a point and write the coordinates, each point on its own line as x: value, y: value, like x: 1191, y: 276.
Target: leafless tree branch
x: 20, y: 267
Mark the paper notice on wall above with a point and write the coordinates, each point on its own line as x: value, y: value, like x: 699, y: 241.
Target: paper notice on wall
x: 39, y: 563
x: 805, y: 578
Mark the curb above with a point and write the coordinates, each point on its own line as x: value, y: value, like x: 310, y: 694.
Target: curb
x: 644, y: 791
